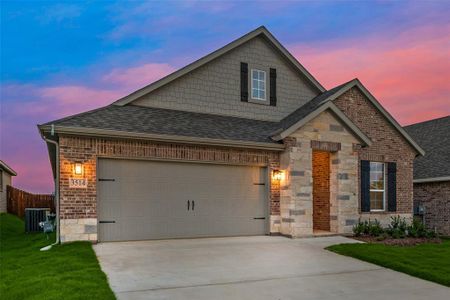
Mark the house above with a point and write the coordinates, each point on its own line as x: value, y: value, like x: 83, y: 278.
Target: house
x: 244, y: 141
x: 432, y: 173
x: 6, y: 174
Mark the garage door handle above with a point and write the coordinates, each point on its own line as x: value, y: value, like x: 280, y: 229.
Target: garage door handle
x: 188, y: 204
x: 104, y: 222
x: 259, y: 218
x: 193, y: 204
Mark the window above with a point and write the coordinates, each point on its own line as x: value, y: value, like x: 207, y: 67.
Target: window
x: 1, y: 181
x: 377, y: 186
x: 258, y: 85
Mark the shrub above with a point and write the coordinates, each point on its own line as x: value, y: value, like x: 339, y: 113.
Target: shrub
x: 375, y: 228
x: 358, y: 228
x: 368, y: 228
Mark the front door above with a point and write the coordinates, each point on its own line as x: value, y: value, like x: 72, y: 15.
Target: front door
x: 321, y: 190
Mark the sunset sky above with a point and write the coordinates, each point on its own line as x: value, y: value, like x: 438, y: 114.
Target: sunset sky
x: 59, y: 59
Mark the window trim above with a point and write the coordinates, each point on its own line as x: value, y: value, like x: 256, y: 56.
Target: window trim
x: 265, y: 85
x: 383, y: 190
x: 1, y: 180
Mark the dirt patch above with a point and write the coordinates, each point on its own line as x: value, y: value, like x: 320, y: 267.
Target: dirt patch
x: 398, y: 242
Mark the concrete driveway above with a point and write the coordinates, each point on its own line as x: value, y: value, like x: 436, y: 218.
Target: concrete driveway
x: 252, y: 268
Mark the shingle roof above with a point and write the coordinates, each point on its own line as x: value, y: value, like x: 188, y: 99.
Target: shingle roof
x: 309, y: 107
x: 434, y: 137
x: 148, y: 120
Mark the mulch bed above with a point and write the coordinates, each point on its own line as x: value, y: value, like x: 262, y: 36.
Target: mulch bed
x: 398, y: 242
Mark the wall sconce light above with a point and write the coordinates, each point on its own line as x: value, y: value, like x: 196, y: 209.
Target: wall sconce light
x: 78, y: 169
x: 277, y: 175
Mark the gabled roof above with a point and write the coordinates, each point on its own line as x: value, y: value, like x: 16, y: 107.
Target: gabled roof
x: 310, y: 109
x: 434, y: 137
x: 260, y: 31
x: 7, y: 169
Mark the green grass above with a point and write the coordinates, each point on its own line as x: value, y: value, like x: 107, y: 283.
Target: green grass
x: 69, y: 271
x: 427, y: 261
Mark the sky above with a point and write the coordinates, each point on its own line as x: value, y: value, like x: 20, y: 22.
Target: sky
x: 62, y: 58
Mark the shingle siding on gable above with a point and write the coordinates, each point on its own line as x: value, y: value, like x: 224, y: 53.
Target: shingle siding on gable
x: 215, y: 87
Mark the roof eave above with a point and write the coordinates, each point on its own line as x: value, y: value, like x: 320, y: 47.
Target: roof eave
x: 106, y: 133
x: 7, y: 168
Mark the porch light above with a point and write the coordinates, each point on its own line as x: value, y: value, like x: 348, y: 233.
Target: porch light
x: 277, y: 175
x: 78, y: 170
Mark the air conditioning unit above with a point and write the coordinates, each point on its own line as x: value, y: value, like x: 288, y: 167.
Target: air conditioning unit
x: 33, y: 216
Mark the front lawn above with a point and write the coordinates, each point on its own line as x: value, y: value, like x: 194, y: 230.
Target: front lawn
x: 427, y: 261
x: 69, y: 271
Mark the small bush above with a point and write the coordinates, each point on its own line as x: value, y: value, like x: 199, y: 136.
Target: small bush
x: 375, y: 228
x: 368, y: 228
x: 397, y: 229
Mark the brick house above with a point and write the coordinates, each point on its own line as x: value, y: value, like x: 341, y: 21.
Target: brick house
x: 432, y: 173
x: 244, y: 141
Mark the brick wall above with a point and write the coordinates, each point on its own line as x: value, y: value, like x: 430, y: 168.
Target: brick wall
x: 435, y: 198
x: 388, y: 145
x: 215, y: 87
x: 81, y: 203
x: 321, y: 190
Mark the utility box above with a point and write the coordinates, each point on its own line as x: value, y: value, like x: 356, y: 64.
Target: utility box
x: 33, y: 216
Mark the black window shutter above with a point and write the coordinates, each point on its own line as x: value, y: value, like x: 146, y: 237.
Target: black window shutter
x: 392, y: 186
x: 273, y: 87
x: 365, y: 185
x: 244, y: 82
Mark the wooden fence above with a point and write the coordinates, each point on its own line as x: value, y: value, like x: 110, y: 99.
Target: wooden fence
x: 17, y: 200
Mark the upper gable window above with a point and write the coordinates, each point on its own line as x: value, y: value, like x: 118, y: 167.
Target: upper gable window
x: 258, y: 85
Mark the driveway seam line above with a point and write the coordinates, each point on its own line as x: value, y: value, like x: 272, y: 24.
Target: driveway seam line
x: 248, y: 281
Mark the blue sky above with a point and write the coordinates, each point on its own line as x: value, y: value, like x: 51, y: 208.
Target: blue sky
x: 61, y: 58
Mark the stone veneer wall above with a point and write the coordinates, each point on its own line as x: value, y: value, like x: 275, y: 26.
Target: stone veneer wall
x: 78, y: 207
x: 324, y: 132
x: 435, y: 198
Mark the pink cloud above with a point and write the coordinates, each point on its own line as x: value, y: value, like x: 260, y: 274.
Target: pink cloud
x: 407, y: 73
x: 139, y: 76
x: 25, y: 105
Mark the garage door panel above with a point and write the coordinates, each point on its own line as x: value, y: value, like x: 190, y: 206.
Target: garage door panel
x: 148, y: 200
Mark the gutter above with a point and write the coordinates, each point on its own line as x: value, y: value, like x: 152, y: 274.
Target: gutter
x: 432, y: 179
x: 57, y: 241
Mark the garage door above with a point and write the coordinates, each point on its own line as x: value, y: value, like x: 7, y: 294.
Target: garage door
x: 140, y: 200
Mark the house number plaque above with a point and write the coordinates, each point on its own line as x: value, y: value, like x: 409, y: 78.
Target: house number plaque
x: 78, y: 183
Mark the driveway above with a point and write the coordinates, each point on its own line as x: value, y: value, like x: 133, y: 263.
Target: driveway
x: 252, y: 268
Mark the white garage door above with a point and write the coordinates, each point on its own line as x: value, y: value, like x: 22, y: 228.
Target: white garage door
x: 140, y: 200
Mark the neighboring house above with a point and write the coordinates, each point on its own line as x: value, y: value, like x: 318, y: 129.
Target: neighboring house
x: 6, y: 174
x: 432, y: 173
x: 244, y: 141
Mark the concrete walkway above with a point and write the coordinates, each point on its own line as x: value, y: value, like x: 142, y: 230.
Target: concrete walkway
x: 252, y: 268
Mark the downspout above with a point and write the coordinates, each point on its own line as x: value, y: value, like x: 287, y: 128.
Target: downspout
x: 56, y: 190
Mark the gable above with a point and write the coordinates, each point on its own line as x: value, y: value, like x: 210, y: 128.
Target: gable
x: 370, y: 119
x: 326, y: 126
x: 214, y: 87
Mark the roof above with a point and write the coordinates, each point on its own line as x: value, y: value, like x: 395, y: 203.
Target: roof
x: 315, y: 104
x: 434, y: 137
x: 7, y: 169
x: 260, y: 31
x: 131, y: 121
x: 157, y: 122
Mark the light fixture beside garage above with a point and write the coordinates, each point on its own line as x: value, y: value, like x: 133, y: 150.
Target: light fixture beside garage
x: 277, y: 175
x: 78, y: 169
